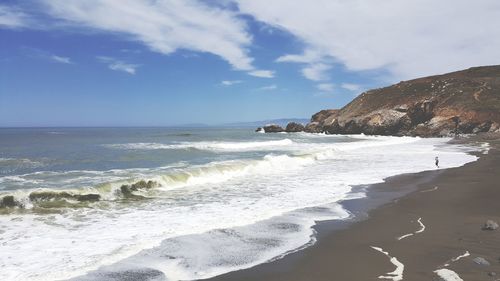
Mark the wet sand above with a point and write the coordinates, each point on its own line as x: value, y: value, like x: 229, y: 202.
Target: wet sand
x: 452, y: 206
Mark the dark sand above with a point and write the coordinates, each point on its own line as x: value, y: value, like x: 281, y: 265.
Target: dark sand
x: 453, y: 215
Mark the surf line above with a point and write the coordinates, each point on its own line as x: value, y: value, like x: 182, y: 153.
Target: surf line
x: 397, y: 274
x: 422, y: 228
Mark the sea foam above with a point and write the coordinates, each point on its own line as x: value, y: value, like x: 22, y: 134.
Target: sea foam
x: 213, y: 218
x: 213, y: 145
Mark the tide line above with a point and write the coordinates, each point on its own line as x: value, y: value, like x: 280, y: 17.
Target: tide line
x: 422, y: 229
x: 466, y: 254
x: 422, y: 226
x: 397, y: 274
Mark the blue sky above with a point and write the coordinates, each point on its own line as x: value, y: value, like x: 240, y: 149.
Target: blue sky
x: 169, y: 62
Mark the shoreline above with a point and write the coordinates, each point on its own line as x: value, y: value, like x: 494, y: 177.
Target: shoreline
x: 375, y: 195
x: 126, y: 268
x: 354, y: 249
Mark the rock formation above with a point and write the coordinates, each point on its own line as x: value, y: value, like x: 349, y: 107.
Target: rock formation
x: 462, y: 102
x: 271, y: 128
x: 9, y: 202
x: 294, y: 127
x: 61, y: 195
x: 128, y: 189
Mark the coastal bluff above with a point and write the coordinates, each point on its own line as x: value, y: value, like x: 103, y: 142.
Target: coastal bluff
x: 462, y: 102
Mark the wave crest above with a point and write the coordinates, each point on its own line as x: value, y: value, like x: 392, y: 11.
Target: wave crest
x: 212, y: 145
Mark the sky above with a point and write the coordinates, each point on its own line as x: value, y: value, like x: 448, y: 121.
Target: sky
x: 172, y: 62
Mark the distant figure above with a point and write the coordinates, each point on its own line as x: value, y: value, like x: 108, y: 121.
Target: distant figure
x: 437, y: 162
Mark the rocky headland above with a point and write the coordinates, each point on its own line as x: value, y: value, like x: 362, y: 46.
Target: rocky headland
x: 462, y: 102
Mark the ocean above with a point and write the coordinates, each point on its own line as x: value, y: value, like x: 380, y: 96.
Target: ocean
x: 182, y: 203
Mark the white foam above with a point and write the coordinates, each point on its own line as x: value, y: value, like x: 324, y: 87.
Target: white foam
x: 397, y: 274
x: 193, y: 257
x: 485, y: 147
x: 203, y: 145
x: 422, y: 226
x: 404, y: 236
x: 219, y: 195
x: 421, y: 229
x: 448, y: 275
x: 466, y: 254
x: 82, y: 180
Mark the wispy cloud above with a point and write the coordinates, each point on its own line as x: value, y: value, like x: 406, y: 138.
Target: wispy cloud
x: 325, y: 87
x: 316, y: 72
x: 404, y: 38
x: 118, y: 65
x: 166, y: 26
x: 268, y: 88
x: 131, y: 51
x: 307, y: 57
x: 59, y: 59
x: 230, y: 82
x: 12, y: 17
x: 262, y: 73
x: 351, y: 87
x: 44, y: 55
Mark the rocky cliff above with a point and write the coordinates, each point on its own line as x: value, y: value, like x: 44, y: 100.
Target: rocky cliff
x: 461, y: 102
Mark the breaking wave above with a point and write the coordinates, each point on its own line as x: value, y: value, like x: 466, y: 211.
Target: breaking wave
x: 153, y: 185
x: 212, y: 145
x: 176, y: 219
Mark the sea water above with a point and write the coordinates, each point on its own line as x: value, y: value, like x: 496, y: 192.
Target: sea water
x: 219, y: 199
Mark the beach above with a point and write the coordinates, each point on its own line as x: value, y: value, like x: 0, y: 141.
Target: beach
x: 185, y: 204
x: 249, y: 140
x: 444, y: 212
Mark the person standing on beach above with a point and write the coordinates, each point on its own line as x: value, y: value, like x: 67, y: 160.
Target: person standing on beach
x: 437, y: 162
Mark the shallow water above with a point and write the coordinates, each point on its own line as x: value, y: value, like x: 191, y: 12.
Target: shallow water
x: 218, y: 199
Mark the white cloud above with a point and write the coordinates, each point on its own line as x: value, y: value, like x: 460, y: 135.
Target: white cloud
x: 316, y: 71
x: 351, y: 87
x: 262, y: 73
x: 59, y: 59
x: 12, y: 18
x: 325, y: 87
x: 44, y: 55
x: 164, y: 25
x: 405, y: 38
x: 118, y: 65
x: 307, y: 57
x: 230, y: 82
x: 268, y: 88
